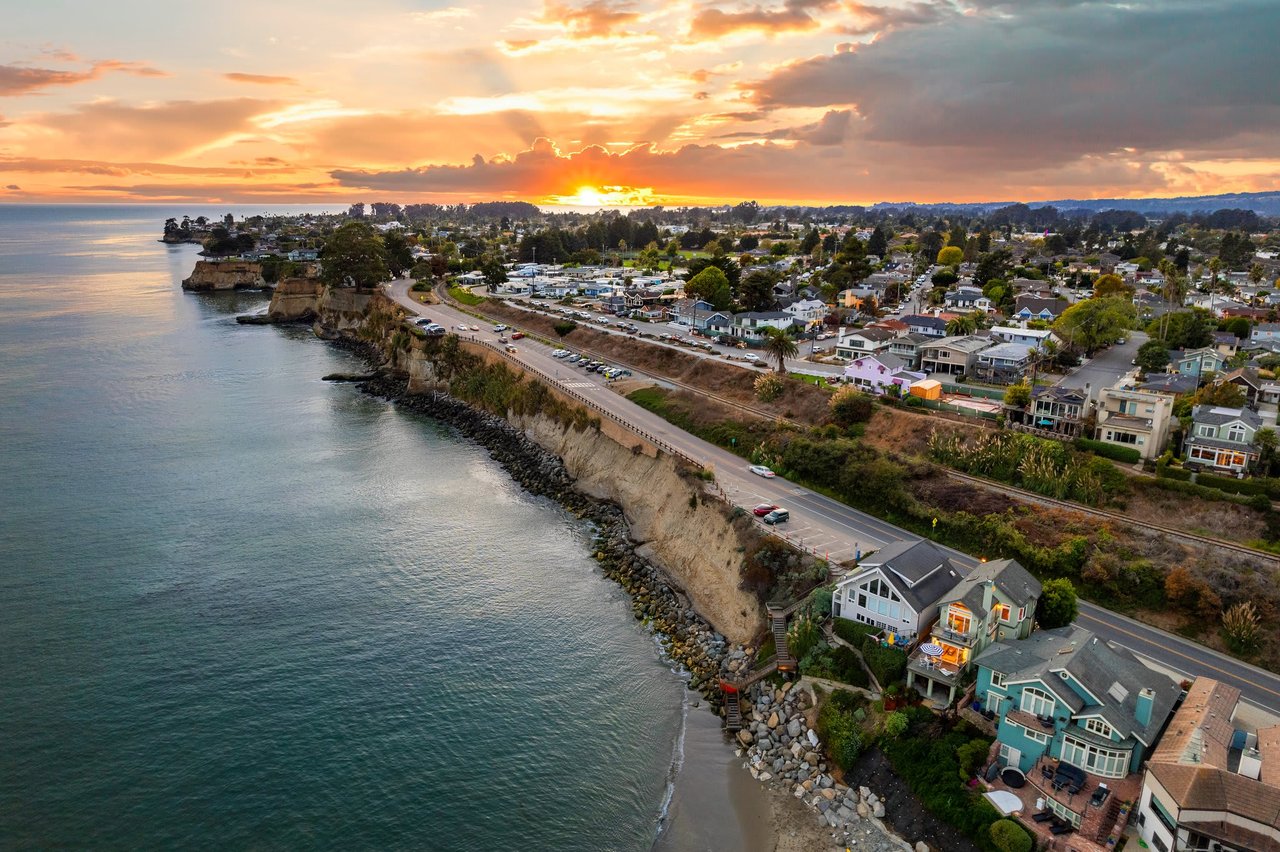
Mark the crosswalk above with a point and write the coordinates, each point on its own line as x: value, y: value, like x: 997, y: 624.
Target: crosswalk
x: 577, y: 384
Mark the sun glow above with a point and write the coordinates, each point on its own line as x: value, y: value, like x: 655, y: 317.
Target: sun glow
x: 606, y: 196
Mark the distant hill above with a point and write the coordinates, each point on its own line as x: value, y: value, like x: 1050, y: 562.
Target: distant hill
x: 1262, y: 203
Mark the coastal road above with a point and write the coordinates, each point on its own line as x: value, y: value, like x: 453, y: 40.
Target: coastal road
x: 833, y: 530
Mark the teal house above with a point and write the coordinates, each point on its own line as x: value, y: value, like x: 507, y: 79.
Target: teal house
x: 1066, y: 695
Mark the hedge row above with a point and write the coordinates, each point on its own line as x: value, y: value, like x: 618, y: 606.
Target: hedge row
x: 889, y: 665
x: 1115, y: 452
x: 852, y: 632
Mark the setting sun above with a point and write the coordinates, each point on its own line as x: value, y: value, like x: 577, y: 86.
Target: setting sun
x: 606, y: 196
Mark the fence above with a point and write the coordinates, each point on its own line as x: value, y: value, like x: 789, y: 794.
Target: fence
x: 939, y: 405
x: 974, y: 390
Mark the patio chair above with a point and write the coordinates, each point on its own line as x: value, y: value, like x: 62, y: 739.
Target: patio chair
x: 1047, y: 771
x: 1043, y: 816
x: 1099, y: 795
x: 1064, y: 828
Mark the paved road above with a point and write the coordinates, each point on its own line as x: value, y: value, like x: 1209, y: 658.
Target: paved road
x: 836, y: 531
x: 1107, y: 366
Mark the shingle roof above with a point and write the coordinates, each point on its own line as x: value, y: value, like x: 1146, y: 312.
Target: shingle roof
x: 920, y: 571
x: 1218, y: 416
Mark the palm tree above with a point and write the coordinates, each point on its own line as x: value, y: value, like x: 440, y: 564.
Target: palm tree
x: 962, y: 325
x: 780, y: 346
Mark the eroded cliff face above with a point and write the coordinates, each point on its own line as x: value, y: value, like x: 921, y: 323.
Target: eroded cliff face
x: 212, y: 275
x: 684, y: 531
x: 698, y: 547
x: 336, y: 312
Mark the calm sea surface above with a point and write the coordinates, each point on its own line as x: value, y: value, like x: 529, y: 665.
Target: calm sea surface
x: 240, y: 607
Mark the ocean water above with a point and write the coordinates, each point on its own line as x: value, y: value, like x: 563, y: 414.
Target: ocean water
x: 243, y: 608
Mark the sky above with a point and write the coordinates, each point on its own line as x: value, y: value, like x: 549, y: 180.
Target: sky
x: 634, y: 102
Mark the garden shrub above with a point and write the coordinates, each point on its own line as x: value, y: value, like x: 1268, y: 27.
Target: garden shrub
x: 1114, y: 452
x: 838, y: 663
x: 889, y: 665
x: 895, y: 724
x: 1008, y: 836
x: 852, y: 632
x: 839, y: 729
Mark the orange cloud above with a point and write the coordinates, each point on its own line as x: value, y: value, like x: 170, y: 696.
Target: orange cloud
x: 22, y: 79
x: 792, y: 17
x: 596, y: 18
x: 260, y: 79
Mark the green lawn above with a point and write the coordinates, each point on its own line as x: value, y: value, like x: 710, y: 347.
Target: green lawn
x: 465, y: 296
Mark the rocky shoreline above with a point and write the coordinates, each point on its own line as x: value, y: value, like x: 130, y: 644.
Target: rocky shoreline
x: 686, y: 638
x: 778, y: 746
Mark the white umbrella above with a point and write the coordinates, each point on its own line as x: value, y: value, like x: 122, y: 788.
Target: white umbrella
x: 931, y: 650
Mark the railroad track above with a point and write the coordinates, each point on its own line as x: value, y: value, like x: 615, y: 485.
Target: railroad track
x: 1041, y: 500
x: 1012, y: 491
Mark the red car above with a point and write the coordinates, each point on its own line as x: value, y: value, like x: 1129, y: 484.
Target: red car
x: 763, y: 509
x: 516, y: 335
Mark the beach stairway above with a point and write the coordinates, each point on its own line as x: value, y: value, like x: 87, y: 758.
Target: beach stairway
x: 732, y: 709
x: 1108, y: 820
x: 778, y: 624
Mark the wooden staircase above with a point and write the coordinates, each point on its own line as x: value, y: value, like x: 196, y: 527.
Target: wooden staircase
x: 778, y: 624
x: 732, y: 708
x: 1109, y: 818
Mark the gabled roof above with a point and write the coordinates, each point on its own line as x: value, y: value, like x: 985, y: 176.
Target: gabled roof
x: 1217, y: 416
x: 925, y: 321
x: 873, y: 333
x: 1111, y: 674
x: 963, y: 343
x: 1014, y: 582
x: 919, y: 570
x: 892, y: 363
x: 1175, y: 383
x: 1066, y: 396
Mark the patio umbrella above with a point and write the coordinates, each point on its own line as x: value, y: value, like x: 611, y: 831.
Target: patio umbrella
x: 931, y: 650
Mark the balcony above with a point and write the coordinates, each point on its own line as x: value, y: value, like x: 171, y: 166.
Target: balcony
x: 956, y: 637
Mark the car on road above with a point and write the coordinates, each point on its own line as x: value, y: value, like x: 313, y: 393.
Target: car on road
x: 763, y: 509
x: 475, y: 328
x: 516, y: 335
x: 1122, y: 341
x: 499, y: 328
x: 777, y: 516
x: 461, y: 327
x: 511, y: 348
x: 751, y: 356
x: 761, y: 470
x: 424, y: 321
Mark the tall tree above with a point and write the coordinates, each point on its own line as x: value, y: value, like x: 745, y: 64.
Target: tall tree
x: 712, y: 286
x: 399, y: 253
x: 353, y: 256
x: 1057, y: 607
x: 1094, y: 323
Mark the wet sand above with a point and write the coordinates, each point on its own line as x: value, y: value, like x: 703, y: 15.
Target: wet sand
x: 717, y: 805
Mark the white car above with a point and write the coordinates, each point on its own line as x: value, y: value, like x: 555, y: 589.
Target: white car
x: 761, y: 470
x: 461, y: 327
x: 751, y: 356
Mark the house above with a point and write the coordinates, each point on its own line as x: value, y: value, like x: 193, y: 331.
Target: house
x: 1132, y: 417
x: 1026, y: 307
x: 1247, y: 380
x: 1212, y: 784
x: 807, y: 311
x: 1265, y: 332
x: 968, y: 299
x: 864, y: 341
x: 878, y: 373
x: 1057, y: 409
x: 907, y: 347
x: 1226, y: 343
x: 1197, y: 362
x: 1003, y: 363
x: 751, y: 325
x: 1170, y: 383
x: 1221, y: 439
x: 1077, y: 715
x: 953, y: 356
x: 897, y: 588
x: 698, y: 315
x: 1033, y: 337
x: 933, y: 326
x: 995, y: 602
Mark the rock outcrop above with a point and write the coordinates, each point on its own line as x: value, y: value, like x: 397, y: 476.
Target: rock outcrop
x: 212, y: 275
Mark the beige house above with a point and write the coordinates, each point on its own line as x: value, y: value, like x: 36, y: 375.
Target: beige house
x: 1212, y: 785
x: 953, y: 356
x: 1131, y: 417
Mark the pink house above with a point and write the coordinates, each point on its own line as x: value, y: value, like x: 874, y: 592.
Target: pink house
x: 875, y: 373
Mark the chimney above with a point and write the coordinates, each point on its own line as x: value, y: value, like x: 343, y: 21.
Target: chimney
x: 1146, y: 698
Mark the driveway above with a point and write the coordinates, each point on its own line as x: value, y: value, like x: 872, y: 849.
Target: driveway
x: 1106, y: 366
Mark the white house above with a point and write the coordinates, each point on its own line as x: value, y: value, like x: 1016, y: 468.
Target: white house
x: 807, y: 311
x: 1032, y: 337
x: 897, y: 588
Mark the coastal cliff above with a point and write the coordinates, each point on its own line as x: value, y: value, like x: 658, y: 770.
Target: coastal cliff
x: 674, y: 521
x: 224, y: 275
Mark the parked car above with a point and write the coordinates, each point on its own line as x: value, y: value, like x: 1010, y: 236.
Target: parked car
x: 777, y: 516
x: 761, y: 470
x: 751, y: 356
x: 763, y: 509
x: 461, y: 327
x: 499, y: 328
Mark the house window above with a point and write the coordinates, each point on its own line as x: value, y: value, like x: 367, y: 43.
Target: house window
x: 1099, y: 761
x: 958, y: 622
x: 1003, y: 611
x: 1162, y: 814
x: 1122, y: 437
x: 1205, y: 431
x: 1099, y: 727
x: 1236, y: 434
x: 1037, y: 702
x: 1063, y: 812
x: 1036, y: 736
x: 997, y: 679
